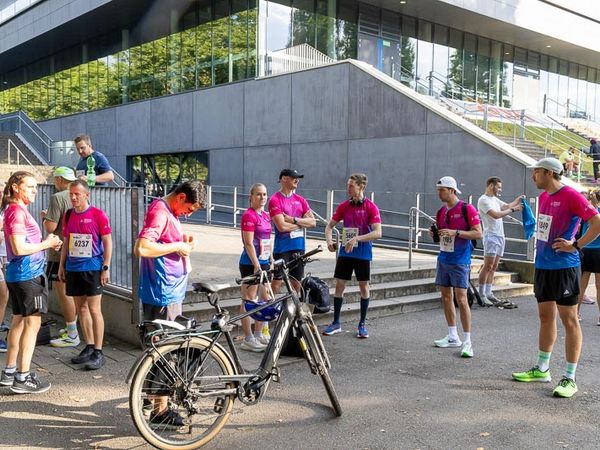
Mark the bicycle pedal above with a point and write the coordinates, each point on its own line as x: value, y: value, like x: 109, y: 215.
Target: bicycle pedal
x: 276, y: 375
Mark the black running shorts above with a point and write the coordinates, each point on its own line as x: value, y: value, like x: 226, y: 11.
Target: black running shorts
x: 29, y: 297
x: 344, y: 267
x: 590, y: 262
x: 80, y: 284
x: 296, y: 272
x: 559, y: 285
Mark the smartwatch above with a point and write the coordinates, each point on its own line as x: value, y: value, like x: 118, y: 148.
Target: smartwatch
x: 105, y: 268
x: 575, y: 245
x: 295, y: 221
x: 512, y: 209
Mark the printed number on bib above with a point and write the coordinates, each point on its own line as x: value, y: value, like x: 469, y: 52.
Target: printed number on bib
x: 447, y: 243
x: 349, y: 233
x: 543, y: 227
x: 265, y: 249
x: 296, y: 234
x: 80, y: 245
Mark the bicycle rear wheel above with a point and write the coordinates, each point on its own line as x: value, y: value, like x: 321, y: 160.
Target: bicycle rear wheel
x: 184, y: 377
x: 315, y: 347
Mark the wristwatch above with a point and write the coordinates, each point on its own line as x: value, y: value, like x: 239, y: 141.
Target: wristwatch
x: 105, y: 268
x: 457, y: 233
x: 295, y: 221
x: 512, y: 209
x: 575, y: 245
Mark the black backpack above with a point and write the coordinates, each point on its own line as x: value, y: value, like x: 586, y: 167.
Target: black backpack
x: 316, y: 293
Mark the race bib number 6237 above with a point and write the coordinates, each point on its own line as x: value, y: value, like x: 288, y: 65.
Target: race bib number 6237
x: 80, y: 245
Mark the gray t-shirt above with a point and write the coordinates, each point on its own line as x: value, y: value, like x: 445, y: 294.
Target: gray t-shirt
x: 59, y: 204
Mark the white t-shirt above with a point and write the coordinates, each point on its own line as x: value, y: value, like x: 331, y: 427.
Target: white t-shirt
x: 490, y: 225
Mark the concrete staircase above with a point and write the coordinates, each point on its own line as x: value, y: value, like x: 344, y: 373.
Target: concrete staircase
x: 42, y: 172
x: 537, y: 152
x: 392, y: 292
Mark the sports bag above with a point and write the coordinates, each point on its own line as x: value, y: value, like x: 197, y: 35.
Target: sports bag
x: 316, y: 293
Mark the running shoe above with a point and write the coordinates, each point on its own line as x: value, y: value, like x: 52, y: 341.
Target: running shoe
x: 30, y: 385
x: 6, y: 379
x: 64, y: 340
x: 362, y: 331
x: 253, y: 345
x: 4, y: 327
x: 533, y: 374
x: 447, y: 342
x: 97, y: 361
x: 264, y: 340
x: 588, y: 300
x: 3, y: 346
x: 332, y: 329
x: 467, y: 350
x: 168, y: 420
x: 84, y: 356
x: 566, y: 388
x: 485, y: 301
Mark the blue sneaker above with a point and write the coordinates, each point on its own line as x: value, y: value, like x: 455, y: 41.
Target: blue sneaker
x: 4, y: 327
x: 332, y: 329
x: 362, y: 331
x: 3, y: 346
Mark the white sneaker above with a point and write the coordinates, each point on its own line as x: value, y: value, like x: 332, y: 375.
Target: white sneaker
x: 264, y: 340
x: 253, y: 345
x: 64, y: 340
x: 447, y: 342
x: 485, y: 301
x: 467, y: 350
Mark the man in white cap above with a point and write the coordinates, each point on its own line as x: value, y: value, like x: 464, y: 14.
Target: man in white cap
x: 458, y: 223
x: 557, y: 270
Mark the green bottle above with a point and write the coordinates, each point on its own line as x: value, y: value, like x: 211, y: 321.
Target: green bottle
x: 91, y: 173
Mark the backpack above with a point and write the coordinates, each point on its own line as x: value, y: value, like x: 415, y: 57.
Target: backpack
x: 463, y: 210
x: 316, y: 292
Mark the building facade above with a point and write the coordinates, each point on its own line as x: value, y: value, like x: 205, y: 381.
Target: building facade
x: 64, y: 57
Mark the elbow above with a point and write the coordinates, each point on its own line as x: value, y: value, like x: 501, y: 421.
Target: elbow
x: 110, y: 176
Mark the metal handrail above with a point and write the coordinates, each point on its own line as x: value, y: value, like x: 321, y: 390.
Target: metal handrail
x: 325, y: 222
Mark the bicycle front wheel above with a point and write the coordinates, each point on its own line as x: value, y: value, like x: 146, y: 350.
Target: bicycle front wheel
x: 314, y: 345
x: 177, y: 398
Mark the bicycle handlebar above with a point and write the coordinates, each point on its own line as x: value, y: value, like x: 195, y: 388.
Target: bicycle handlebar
x: 277, y: 266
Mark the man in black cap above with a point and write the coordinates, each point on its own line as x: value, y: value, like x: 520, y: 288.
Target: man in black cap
x: 290, y: 214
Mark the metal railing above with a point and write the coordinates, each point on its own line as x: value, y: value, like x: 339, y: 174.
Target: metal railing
x: 292, y: 59
x: 125, y: 210
x: 29, y: 132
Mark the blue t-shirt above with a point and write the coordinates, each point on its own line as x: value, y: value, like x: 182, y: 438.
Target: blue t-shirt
x: 595, y: 244
x: 456, y: 250
x: 101, y: 165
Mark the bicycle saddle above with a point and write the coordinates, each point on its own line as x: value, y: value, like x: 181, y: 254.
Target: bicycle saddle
x: 209, y: 288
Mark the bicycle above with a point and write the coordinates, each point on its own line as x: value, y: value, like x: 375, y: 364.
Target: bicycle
x: 202, y: 379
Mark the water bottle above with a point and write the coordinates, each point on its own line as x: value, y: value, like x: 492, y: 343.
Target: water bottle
x: 91, y: 173
x: 435, y: 233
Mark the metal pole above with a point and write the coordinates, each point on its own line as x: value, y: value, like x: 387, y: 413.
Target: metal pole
x: 485, y: 117
x: 329, y: 202
x: 417, y: 224
x: 544, y: 104
x: 234, y: 207
x: 410, y: 228
x: 136, y: 209
x: 209, y: 204
x: 522, y: 124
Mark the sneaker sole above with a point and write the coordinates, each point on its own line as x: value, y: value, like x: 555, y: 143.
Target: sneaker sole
x: 255, y: 350
x: 25, y: 391
x: 3, y: 350
x: 466, y: 355
x: 533, y: 380
x: 448, y: 346
x: 556, y: 394
x: 6, y: 383
x: 362, y: 336
x: 63, y: 345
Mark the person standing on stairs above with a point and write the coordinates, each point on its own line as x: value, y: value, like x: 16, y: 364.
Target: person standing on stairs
x: 595, y: 154
x: 458, y: 223
x: 491, y: 211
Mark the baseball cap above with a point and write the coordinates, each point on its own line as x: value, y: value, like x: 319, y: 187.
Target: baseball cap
x: 290, y: 173
x: 65, y: 172
x: 551, y: 164
x: 448, y: 182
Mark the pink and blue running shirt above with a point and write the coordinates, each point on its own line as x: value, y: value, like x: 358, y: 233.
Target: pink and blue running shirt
x: 18, y: 221
x: 293, y: 206
x: 83, y: 238
x: 453, y: 219
x: 359, y: 217
x: 260, y: 225
x: 559, y: 216
x: 595, y: 244
x: 163, y: 280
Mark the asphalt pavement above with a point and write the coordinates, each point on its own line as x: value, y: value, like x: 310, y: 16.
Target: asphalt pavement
x: 397, y: 390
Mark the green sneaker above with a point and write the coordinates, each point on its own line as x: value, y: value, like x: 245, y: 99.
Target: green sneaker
x: 533, y: 374
x: 566, y: 388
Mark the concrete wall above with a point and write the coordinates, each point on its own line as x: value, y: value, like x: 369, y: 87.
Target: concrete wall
x: 326, y: 122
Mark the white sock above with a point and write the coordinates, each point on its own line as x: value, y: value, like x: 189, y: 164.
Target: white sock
x: 467, y: 336
x: 452, y: 333
x: 488, y: 289
x: 481, y: 289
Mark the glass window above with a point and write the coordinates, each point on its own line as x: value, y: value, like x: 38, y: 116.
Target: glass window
x: 239, y: 39
x: 495, y: 73
x: 470, y: 68
x: 483, y: 69
x: 424, y: 56
x: 204, y: 49
x: 455, y: 68
x: 507, y: 76
x: 346, y: 30
x: 408, y: 51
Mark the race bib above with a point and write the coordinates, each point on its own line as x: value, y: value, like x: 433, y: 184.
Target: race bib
x: 543, y: 227
x: 79, y: 173
x: 447, y: 243
x: 265, y: 249
x: 349, y: 233
x: 80, y: 245
x: 297, y: 234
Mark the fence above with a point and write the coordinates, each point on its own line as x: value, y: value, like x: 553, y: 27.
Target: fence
x: 125, y: 210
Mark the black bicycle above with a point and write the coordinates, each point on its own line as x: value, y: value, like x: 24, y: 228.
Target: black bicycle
x: 189, y: 370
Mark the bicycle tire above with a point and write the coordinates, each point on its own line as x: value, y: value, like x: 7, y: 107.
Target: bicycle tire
x: 313, y: 347
x: 155, y: 378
